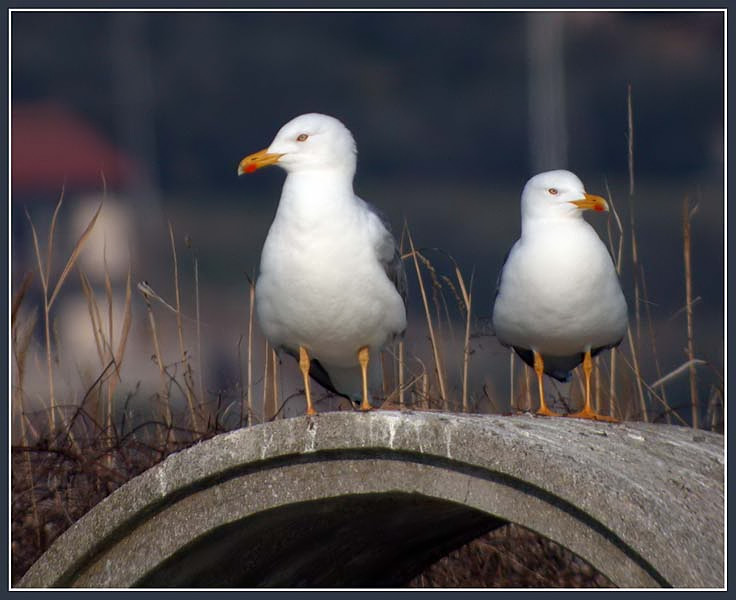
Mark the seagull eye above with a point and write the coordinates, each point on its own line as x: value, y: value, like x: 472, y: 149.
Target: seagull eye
x: 302, y: 137
x: 552, y: 191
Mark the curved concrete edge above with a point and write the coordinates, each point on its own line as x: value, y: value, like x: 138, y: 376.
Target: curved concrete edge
x: 657, y: 489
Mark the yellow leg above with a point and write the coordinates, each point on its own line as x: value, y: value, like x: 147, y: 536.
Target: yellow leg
x: 588, y: 412
x: 539, y: 370
x: 363, y: 357
x: 304, y: 368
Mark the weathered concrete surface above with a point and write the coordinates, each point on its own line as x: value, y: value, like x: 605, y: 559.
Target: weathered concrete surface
x: 355, y: 499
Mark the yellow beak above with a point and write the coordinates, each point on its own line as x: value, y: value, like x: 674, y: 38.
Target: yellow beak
x: 257, y: 160
x: 591, y: 202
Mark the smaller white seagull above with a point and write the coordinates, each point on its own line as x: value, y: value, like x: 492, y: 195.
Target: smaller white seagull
x: 332, y: 288
x: 559, y: 301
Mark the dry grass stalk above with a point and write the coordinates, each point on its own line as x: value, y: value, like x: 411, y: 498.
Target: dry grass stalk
x: 690, y: 364
x: 597, y: 389
x: 424, y: 396
x: 48, y: 300
x: 385, y: 376
x: 117, y: 357
x: 19, y: 296
x: 47, y: 325
x: 420, y: 394
x: 110, y: 343
x: 634, y: 246
x: 94, y: 314
x: 468, y: 300
x: 439, y: 302
x: 687, y: 214
x: 433, y: 340
x: 76, y: 250
x: 21, y: 335
x: 275, y: 385
x: 637, y: 274
x: 180, y: 333
x: 127, y: 321
x: 630, y: 138
x: 715, y: 409
x: 243, y: 416
x: 401, y: 374
x: 251, y: 304
x: 655, y: 395
x: 637, y: 376
x: 527, y: 390
x: 512, y: 400
x: 108, y: 355
x: 146, y: 292
x: 618, y: 263
x: 264, y: 403
x: 97, y: 333
x: 653, y: 339
x: 195, y: 260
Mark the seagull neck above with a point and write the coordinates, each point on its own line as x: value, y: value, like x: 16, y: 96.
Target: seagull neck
x: 325, y: 185
x: 542, y: 224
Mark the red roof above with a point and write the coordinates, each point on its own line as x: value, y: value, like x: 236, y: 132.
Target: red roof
x: 52, y: 147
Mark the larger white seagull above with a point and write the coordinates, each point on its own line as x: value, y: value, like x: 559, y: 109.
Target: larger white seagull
x: 332, y: 288
x: 559, y: 301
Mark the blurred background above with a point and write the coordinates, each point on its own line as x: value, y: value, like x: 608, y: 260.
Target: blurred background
x: 452, y: 113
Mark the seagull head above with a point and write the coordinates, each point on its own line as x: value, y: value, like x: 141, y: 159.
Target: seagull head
x: 308, y: 142
x: 556, y: 194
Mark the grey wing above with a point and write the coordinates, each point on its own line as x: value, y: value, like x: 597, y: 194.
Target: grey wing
x: 500, y: 273
x: 397, y: 274
x: 498, y: 287
x: 388, y: 252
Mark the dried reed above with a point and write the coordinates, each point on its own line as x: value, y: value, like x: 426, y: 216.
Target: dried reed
x: 687, y: 214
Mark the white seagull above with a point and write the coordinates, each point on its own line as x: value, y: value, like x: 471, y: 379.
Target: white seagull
x: 332, y: 288
x: 559, y: 301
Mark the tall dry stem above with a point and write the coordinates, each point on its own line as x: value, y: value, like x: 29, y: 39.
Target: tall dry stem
x: 637, y: 376
x: 630, y: 137
x: 275, y: 386
x: 46, y: 325
x: 433, y: 340
x: 20, y: 340
x: 618, y: 264
x: 687, y: 214
x: 264, y: 405
x: 468, y: 300
x: 48, y: 300
x: 25, y: 285
x: 119, y: 353
x: 401, y: 373
x: 180, y: 333
x: 164, y: 393
x: 512, y: 400
x: 653, y: 342
x: 199, y: 323
x: 110, y: 342
x: 636, y: 268
x: 527, y: 390
x: 251, y: 304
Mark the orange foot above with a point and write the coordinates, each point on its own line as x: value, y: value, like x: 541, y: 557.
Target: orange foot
x: 588, y: 413
x: 546, y: 412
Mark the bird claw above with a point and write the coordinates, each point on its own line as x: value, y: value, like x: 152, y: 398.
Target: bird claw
x: 546, y: 412
x: 591, y: 415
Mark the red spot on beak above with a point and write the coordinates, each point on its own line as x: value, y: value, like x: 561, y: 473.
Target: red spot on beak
x: 599, y: 208
x: 250, y: 168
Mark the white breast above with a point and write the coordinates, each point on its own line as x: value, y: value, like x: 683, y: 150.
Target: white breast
x: 321, y: 285
x: 559, y: 292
